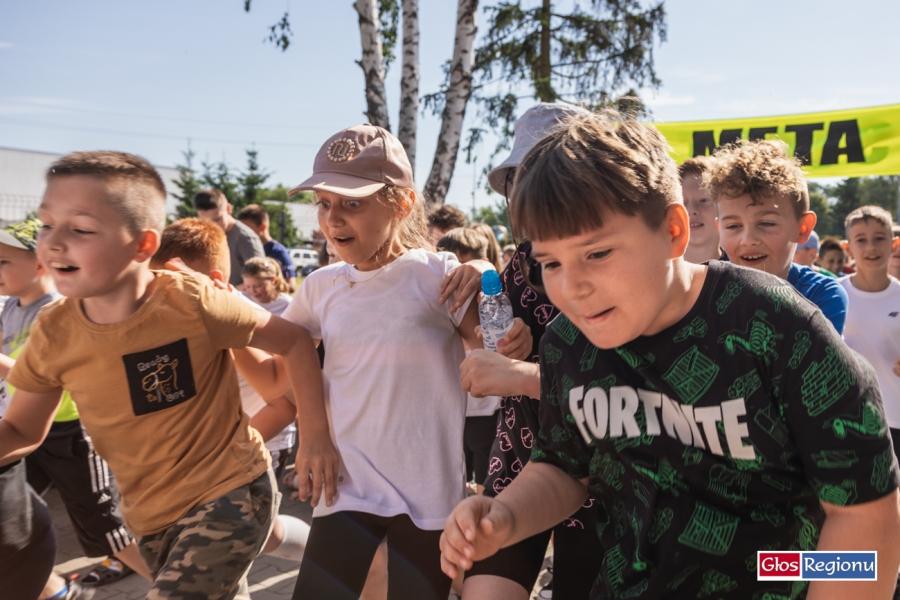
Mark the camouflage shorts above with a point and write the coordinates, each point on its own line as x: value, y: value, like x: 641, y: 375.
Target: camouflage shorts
x: 206, y: 554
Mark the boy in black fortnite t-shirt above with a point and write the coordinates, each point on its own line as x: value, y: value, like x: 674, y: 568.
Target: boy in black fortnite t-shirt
x: 714, y: 438
x: 711, y: 410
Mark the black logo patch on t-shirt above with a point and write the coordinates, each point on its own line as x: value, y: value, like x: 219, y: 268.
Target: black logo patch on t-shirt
x: 160, y: 378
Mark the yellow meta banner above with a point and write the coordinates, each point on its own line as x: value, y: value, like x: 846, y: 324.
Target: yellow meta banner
x: 840, y: 143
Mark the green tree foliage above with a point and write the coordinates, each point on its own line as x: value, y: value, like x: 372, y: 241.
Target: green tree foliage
x: 498, y: 214
x: 847, y: 195
x: 219, y: 176
x: 818, y: 203
x: 241, y: 188
x: 187, y: 184
x: 280, y: 33
x: 593, y: 55
x: 251, y: 180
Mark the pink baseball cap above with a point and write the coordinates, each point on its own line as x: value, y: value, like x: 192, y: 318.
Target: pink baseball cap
x: 359, y: 161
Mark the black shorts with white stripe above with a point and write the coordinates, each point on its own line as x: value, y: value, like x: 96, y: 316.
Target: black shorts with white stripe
x: 68, y: 461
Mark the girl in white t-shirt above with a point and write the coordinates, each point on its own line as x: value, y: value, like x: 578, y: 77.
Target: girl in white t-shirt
x: 265, y: 285
x: 391, y: 374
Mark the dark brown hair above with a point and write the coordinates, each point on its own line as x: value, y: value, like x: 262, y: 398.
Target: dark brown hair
x: 254, y: 213
x: 209, y: 199
x: 591, y: 166
x: 830, y: 244
x: 135, y: 188
x: 446, y: 217
x: 200, y: 244
x: 763, y: 169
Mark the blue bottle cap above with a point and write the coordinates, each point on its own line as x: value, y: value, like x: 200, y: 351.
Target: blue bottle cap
x: 490, y: 283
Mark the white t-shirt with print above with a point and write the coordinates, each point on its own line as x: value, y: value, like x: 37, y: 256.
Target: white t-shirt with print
x: 873, y: 330
x: 392, y: 389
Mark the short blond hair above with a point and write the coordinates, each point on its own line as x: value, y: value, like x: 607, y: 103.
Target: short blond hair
x: 414, y: 226
x: 135, y: 189
x: 864, y: 213
x: 763, y: 169
x: 593, y: 165
x: 464, y: 240
x: 490, y: 238
x: 697, y: 165
x: 202, y: 246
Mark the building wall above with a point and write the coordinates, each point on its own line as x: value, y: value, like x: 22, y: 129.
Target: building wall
x: 22, y: 182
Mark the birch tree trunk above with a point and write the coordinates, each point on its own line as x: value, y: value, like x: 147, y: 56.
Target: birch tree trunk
x: 458, y: 92
x: 409, y: 82
x: 372, y: 62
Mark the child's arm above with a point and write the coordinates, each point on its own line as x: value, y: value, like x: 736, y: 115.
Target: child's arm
x: 265, y: 373
x: 869, y: 526
x: 26, y: 423
x: 467, y: 326
x: 6, y: 364
x: 272, y: 418
x: 486, y: 373
x: 539, y: 498
x: 317, y: 459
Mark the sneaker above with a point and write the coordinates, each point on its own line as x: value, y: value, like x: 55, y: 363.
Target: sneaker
x: 546, y: 592
x: 109, y: 571
x: 78, y: 591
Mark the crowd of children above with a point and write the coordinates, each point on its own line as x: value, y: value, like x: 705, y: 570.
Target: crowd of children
x: 675, y: 393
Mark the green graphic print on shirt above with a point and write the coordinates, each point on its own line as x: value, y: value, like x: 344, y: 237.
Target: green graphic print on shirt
x: 715, y: 438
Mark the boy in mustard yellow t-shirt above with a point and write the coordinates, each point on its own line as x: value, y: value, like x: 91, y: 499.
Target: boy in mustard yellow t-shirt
x: 145, y: 357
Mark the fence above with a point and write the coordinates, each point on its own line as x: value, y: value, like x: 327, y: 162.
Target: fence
x: 15, y: 207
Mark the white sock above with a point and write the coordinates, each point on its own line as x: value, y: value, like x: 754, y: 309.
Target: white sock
x: 296, y: 532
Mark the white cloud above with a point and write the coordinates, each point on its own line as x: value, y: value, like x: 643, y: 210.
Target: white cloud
x: 6, y: 44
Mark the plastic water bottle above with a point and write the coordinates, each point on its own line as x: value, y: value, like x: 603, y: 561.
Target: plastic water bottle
x: 494, y: 310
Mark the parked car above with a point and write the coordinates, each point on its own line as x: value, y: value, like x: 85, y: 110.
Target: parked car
x: 303, y: 257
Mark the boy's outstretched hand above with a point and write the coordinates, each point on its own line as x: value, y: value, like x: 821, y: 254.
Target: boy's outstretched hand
x: 476, y: 529
x: 317, y: 469
x: 485, y: 373
x: 465, y: 280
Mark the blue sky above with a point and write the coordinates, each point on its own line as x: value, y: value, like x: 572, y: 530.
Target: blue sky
x: 145, y: 77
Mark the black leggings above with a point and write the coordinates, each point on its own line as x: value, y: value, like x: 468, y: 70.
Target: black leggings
x: 341, y: 547
x: 577, y: 555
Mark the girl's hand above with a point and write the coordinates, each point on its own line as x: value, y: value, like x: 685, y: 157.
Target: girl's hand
x: 517, y: 343
x: 465, y: 280
x: 317, y: 468
x: 896, y: 368
x: 476, y: 529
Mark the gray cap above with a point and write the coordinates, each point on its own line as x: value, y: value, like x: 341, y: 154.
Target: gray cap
x: 812, y: 242
x: 531, y: 127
